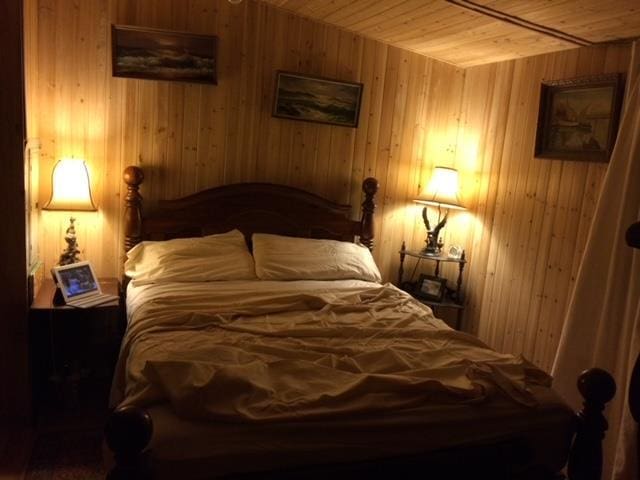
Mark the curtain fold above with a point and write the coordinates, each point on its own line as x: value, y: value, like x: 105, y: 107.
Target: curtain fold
x: 602, y: 325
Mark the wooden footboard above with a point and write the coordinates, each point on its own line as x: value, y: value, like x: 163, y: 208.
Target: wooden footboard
x: 129, y: 431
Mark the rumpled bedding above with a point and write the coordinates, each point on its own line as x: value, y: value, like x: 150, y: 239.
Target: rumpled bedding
x: 267, y: 351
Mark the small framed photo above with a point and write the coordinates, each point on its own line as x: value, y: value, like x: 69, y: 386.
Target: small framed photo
x: 578, y: 118
x: 430, y: 287
x: 455, y: 252
x: 163, y: 54
x: 315, y: 99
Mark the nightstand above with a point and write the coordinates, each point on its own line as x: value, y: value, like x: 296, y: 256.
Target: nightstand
x: 72, y: 350
x: 453, y: 298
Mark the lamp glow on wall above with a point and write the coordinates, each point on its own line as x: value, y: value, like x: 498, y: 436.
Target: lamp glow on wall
x: 70, y: 191
x: 441, y: 192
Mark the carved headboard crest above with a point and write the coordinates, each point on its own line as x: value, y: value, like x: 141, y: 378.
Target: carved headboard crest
x: 249, y: 207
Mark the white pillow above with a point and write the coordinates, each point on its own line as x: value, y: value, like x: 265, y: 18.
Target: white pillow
x: 290, y: 258
x: 199, y: 259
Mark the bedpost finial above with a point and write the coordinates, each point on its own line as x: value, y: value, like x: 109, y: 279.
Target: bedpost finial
x: 596, y: 385
x: 133, y: 176
x: 370, y: 188
x: 127, y: 433
x: 585, y: 459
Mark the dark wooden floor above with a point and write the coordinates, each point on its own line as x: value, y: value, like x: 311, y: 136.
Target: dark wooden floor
x: 16, y: 444
x: 15, y: 450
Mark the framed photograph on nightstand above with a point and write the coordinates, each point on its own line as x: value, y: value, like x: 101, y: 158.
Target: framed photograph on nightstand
x: 430, y: 288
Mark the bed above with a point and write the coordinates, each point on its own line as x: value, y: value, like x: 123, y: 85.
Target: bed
x: 293, y: 375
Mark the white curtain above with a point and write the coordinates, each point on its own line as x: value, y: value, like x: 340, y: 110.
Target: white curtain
x: 602, y: 326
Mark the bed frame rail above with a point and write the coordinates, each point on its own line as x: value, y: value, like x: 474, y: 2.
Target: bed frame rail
x: 129, y: 430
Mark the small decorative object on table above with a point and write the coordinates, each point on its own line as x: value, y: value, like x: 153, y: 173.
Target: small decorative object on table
x: 441, y: 192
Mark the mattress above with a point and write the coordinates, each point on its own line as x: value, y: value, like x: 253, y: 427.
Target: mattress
x: 286, y: 374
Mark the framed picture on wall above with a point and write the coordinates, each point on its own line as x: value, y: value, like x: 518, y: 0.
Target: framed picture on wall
x: 315, y: 99
x: 163, y: 54
x: 578, y: 118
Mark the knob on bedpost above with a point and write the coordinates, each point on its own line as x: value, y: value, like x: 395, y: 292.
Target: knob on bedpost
x: 128, y: 432
x: 133, y: 177
x: 370, y: 188
x: 597, y: 388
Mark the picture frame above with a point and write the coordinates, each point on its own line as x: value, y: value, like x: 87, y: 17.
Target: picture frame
x: 317, y: 99
x: 455, y: 252
x: 154, y: 54
x: 430, y: 287
x: 578, y: 118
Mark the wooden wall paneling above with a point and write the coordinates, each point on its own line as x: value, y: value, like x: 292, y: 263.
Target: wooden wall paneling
x: 512, y: 247
x: 376, y: 87
x: 408, y: 151
x: 530, y: 238
x: 537, y: 183
x: 232, y: 60
x: 305, y: 134
x: 500, y: 253
x: 384, y: 147
x: 548, y: 187
x: 250, y: 96
x: 269, y: 159
x: 313, y: 38
x: 343, y: 138
x: 325, y: 135
x: 289, y: 128
x: 401, y: 145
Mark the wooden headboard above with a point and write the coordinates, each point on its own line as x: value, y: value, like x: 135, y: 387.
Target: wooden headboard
x: 249, y: 207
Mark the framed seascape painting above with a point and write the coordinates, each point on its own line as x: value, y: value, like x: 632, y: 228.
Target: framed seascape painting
x: 578, y: 118
x: 315, y: 99
x: 163, y: 55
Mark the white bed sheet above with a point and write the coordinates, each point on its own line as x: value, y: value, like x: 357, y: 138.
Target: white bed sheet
x: 206, y: 448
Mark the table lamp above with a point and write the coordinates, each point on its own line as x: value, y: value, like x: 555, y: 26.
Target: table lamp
x: 70, y: 191
x: 441, y: 192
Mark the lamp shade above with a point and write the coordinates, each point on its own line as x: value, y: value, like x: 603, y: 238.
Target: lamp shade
x: 442, y: 189
x: 70, y: 188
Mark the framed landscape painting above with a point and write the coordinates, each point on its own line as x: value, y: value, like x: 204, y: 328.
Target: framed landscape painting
x: 315, y: 99
x: 163, y: 55
x: 578, y: 118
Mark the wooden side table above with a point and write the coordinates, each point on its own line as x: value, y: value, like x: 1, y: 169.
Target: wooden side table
x: 71, y: 347
x: 453, y: 298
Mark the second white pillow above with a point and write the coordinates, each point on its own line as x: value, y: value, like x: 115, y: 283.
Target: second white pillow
x: 290, y: 258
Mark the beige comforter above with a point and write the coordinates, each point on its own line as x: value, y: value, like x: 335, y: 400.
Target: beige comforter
x: 258, y: 351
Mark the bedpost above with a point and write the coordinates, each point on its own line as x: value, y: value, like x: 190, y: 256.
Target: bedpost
x: 597, y: 387
x: 127, y: 433
x: 133, y: 177
x: 370, y: 188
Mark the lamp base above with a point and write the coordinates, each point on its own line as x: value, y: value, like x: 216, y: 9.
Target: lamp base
x: 428, y: 250
x: 432, y: 246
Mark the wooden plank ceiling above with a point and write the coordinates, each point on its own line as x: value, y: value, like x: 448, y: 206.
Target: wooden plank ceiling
x: 467, y: 33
